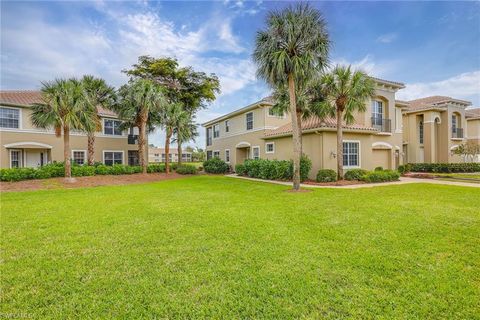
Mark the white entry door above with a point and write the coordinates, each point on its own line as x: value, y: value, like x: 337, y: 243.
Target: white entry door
x: 34, y: 158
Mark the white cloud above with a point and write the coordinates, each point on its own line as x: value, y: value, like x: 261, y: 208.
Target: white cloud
x: 387, y: 38
x: 463, y: 86
x: 368, y: 65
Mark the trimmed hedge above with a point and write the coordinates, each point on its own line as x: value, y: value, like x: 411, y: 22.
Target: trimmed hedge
x: 355, y: 174
x: 404, y: 168
x: 445, y: 167
x: 381, y: 176
x: 378, y: 169
x: 273, y: 169
x: 216, y: 165
x: 326, y: 175
x: 186, y: 169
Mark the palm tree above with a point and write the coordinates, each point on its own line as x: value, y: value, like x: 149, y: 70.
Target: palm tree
x: 345, y: 92
x: 291, y: 51
x: 140, y: 103
x: 63, y: 108
x: 98, y: 93
x: 171, y: 118
x: 185, y: 130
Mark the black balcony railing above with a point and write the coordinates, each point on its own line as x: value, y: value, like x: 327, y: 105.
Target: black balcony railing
x: 457, y: 133
x: 382, y: 125
x: 132, y: 139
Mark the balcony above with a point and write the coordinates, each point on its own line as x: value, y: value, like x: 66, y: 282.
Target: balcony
x: 132, y: 139
x: 457, y: 133
x: 382, y: 125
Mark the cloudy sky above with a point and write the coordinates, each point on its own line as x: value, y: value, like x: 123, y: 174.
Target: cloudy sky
x: 434, y: 48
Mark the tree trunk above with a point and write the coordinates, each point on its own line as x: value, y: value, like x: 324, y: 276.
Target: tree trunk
x: 179, y: 150
x: 339, y: 145
x: 296, y: 133
x: 167, y: 151
x: 66, y: 151
x: 141, y: 145
x: 91, y: 148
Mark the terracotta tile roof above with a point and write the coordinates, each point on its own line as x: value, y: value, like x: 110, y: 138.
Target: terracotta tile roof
x: 316, y: 123
x: 433, y: 101
x: 472, y: 113
x: 29, y: 97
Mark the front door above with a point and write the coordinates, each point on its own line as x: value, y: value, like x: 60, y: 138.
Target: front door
x: 33, y: 158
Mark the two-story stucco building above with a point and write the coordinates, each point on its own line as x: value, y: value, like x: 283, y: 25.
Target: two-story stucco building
x: 158, y: 155
x: 24, y: 145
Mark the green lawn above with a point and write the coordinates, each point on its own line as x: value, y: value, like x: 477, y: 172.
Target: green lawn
x: 464, y: 177
x: 217, y: 247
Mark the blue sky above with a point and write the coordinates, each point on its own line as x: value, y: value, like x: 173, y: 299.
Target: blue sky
x: 433, y: 47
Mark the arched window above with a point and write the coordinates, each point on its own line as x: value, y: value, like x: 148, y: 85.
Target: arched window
x: 420, y: 132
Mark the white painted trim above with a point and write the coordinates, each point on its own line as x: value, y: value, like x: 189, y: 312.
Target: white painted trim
x: 266, y: 149
x: 213, y: 131
x: 85, y: 160
x: 253, y: 148
x: 111, y: 135
x: 238, y: 133
x: 20, y: 159
x: 359, y: 154
x: 19, y: 144
x: 454, y: 147
x: 20, y: 118
x: 213, y: 153
x: 123, y: 155
x: 229, y: 155
x: 52, y: 132
x: 381, y: 144
x: 253, y: 121
x: 397, y: 148
x: 241, y: 143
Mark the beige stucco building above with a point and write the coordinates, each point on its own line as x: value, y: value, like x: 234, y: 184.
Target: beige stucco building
x: 158, y: 155
x: 24, y: 145
x: 386, y: 135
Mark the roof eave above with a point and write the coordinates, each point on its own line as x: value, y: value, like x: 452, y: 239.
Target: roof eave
x: 328, y: 129
x: 236, y: 112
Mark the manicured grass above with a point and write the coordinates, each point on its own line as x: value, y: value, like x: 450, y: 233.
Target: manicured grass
x: 216, y: 247
x: 464, y: 177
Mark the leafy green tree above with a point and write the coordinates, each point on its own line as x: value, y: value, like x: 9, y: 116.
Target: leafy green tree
x: 290, y: 52
x: 185, y: 131
x: 63, y: 108
x: 98, y: 93
x: 172, y: 117
x: 345, y: 92
x: 140, y: 104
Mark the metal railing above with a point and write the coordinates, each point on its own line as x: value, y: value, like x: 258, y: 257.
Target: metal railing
x: 457, y: 133
x: 132, y: 139
x: 382, y: 125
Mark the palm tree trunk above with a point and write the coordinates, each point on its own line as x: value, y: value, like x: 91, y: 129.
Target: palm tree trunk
x: 91, y: 148
x: 141, y: 145
x: 339, y: 145
x: 66, y: 151
x: 296, y: 133
x: 167, y: 151
x: 179, y: 150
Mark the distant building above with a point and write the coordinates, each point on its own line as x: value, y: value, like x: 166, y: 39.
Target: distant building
x: 158, y: 155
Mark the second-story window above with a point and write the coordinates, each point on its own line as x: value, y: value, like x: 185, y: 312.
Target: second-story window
x: 9, y: 118
x: 112, y: 127
x: 227, y: 126
x: 249, y: 120
x: 377, y: 112
x: 454, y: 122
x: 209, y: 136
x: 216, y: 131
x: 420, y: 132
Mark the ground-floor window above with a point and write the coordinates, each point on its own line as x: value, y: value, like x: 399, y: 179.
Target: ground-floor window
x: 216, y: 154
x: 270, y: 147
x: 133, y: 159
x: 227, y: 155
x: 112, y: 157
x: 256, y: 153
x: 351, y: 152
x: 15, y: 158
x: 209, y: 155
x: 78, y: 157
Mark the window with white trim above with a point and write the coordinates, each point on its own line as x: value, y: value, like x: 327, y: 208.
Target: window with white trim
x: 216, y: 131
x: 256, y: 153
x: 270, y: 147
x: 420, y: 132
x: 377, y: 109
x: 209, y: 136
x: 112, y: 157
x: 216, y: 154
x: 249, y: 120
x: 112, y: 127
x: 78, y: 157
x: 351, y: 153
x: 227, y: 126
x: 227, y: 155
x: 9, y: 118
x: 209, y: 155
x: 15, y: 158
x: 454, y: 122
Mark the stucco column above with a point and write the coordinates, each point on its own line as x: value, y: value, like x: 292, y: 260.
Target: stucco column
x: 429, y: 144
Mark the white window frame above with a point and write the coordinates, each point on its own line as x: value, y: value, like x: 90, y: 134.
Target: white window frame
x: 218, y: 154
x: 227, y: 126
x: 227, y: 159
x: 209, y: 136
x: 246, y: 121
x: 266, y: 147
x: 20, y: 122
x: 359, y: 154
x: 375, y: 114
x: 253, y: 152
x: 72, y: 160
x: 113, y: 134
x: 20, y: 158
x: 211, y: 154
x: 123, y: 155
x: 216, y: 131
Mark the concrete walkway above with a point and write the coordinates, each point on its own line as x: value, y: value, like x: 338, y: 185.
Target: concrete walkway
x: 403, y: 180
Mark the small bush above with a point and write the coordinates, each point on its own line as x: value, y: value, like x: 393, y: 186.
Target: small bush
x: 216, y: 165
x: 378, y: 169
x: 17, y: 174
x: 445, y: 167
x: 80, y: 171
x: 240, y: 169
x: 102, y: 169
x: 155, y: 168
x: 275, y: 169
x: 326, y: 175
x: 355, y: 174
x: 381, y: 176
x: 404, y: 168
x: 186, y: 169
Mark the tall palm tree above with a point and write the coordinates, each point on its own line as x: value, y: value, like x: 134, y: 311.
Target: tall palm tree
x: 63, y: 108
x: 171, y: 118
x: 345, y: 92
x: 98, y: 93
x: 186, y: 130
x: 291, y: 51
x: 140, y: 103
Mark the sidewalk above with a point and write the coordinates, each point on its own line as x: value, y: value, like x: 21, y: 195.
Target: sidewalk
x: 403, y: 180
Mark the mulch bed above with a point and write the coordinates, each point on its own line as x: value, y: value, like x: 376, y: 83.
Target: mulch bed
x: 336, y: 183
x: 93, y: 181
x: 419, y: 175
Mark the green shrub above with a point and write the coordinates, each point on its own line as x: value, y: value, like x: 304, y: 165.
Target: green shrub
x: 186, y: 169
x: 326, y: 175
x: 80, y: 171
x: 240, y: 169
x: 156, y: 168
x: 17, y: 174
x: 381, y: 176
x: 445, y: 167
x: 102, y: 169
x: 275, y: 169
x: 305, y: 167
x: 355, y: 174
x: 216, y: 165
x: 378, y: 169
x: 404, y: 168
